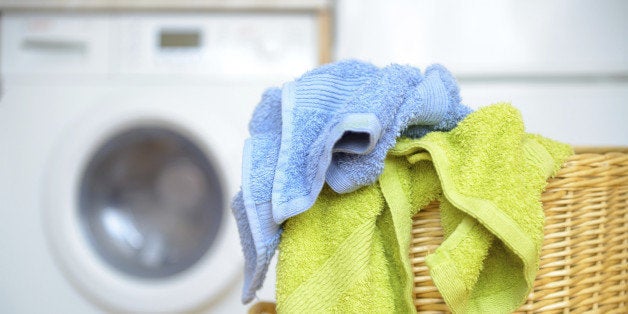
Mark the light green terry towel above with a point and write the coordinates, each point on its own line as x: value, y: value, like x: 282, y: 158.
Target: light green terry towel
x: 349, y: 252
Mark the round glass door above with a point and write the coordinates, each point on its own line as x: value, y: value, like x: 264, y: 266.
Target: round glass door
x: 151, y: 202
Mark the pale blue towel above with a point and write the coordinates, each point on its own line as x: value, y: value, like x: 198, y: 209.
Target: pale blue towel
x: 431, y: 105
x: 259, y: 234
x: 313, y: 123
x: 335, y: 124
x: 339, y: 129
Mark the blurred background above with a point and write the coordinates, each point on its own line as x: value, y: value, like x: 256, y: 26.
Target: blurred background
x: 123, y: 122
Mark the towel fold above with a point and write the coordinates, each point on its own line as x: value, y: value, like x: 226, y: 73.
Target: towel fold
x: 334, y: 123
x: 349, y: 252
x: 259, y: 234
x: 338, y: 129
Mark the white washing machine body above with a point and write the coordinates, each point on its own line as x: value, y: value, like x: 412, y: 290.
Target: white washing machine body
x: 97, y: 107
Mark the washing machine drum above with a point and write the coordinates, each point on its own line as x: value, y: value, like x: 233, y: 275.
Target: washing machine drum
x: 144, y: 226
x: 150, y: 202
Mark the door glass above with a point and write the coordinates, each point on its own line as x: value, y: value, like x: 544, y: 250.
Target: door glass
x: 151, y: 202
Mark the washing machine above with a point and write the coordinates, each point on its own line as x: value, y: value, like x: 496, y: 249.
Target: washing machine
x: 120, y: 151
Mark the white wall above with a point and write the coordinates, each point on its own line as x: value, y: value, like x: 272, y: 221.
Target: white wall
x: 563, y: 63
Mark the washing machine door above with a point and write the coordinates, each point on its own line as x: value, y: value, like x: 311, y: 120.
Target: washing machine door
x: 150, y: 202
x: 137, y: 208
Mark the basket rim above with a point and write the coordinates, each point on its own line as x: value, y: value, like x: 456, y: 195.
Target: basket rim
x: 600, y: 149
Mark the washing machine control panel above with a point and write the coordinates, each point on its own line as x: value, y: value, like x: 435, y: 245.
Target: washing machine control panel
x: 213, y: 45
x: 231, y: 45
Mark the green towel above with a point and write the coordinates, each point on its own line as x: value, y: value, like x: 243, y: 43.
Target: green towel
x: 349, y: 252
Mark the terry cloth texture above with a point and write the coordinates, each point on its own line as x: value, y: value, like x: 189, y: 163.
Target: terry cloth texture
x: 340, y: 120
x: 349, y: 252
x: 259, y: 234
x: 335, y: 123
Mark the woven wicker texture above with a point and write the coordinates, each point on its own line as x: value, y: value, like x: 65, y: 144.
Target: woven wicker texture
x: 584, y: 260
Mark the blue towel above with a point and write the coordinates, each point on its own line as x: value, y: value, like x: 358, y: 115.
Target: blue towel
x: 432, y: 104
x: 334, y: 124
x: 340, y: 120
x: 259, y: 234
x: 311, y: 107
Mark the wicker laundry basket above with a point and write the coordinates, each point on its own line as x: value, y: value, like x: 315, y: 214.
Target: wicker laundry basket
x: 584, y: 261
